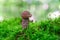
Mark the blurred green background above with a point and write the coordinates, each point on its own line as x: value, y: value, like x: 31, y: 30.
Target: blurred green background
x: 10, y: 13
x: 38, y: 8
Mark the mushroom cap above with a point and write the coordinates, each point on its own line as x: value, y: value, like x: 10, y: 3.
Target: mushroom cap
x: 26, y: 14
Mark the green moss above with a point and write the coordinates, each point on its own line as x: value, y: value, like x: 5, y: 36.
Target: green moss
x: 44, y: 30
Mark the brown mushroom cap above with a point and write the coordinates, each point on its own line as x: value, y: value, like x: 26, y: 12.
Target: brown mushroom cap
x: 26, y: 14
